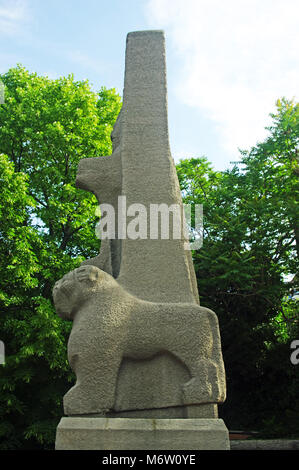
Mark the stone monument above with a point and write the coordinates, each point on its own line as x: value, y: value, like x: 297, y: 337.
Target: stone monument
x: 146, y: 355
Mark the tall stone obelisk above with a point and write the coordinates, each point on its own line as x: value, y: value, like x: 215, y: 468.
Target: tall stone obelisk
x: 141, y: 346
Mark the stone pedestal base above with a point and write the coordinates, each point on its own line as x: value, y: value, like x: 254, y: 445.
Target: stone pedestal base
x: 141, y: 434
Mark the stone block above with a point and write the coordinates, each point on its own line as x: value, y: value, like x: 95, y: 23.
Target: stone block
x: 76, y: 433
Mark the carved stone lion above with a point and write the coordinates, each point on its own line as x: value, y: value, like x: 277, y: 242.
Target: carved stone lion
x: 110, y: 324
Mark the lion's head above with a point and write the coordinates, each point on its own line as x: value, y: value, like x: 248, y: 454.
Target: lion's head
x: 73, y: 289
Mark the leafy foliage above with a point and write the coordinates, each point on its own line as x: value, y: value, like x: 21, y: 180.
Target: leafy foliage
x: 47, y: 229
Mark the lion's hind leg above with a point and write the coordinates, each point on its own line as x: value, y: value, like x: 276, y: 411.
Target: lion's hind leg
x: 204, y: 385
x: 200, y: 350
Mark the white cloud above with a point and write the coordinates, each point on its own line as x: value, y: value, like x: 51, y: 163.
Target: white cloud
x: 13, y: 14
x: 237, y: 57
x: 86, y: 61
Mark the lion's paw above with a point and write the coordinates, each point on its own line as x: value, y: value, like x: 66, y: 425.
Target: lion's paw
x: 197, y: 391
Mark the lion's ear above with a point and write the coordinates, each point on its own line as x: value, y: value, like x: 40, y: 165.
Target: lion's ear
x: 87, y: 274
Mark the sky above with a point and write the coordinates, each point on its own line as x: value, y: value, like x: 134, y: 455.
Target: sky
x: 228, y: 61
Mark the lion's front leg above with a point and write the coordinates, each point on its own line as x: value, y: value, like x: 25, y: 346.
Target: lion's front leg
x: 95, y: 357
x: 94, y: 391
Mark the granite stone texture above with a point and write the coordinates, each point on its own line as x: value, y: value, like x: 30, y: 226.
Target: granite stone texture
x: 141, y: 434
x: 140, y: 344
x: 110, y: 324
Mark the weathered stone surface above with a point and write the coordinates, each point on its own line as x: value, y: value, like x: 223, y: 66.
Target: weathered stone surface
x: 118, y: 325
x: 142, y: 169
x: 140, y: 340
x: 206, y: 410
x: 141, y: 434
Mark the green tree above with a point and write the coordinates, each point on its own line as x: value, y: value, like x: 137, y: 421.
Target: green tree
x: 249, y: 256
x: 47, y: 229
